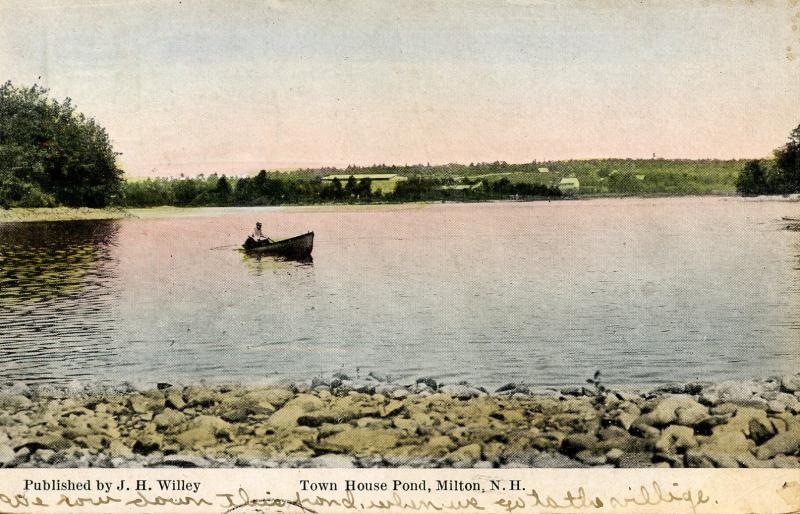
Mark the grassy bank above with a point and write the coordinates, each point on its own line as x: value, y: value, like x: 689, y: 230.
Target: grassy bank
x: 342, y: 422
x: 61, y: 214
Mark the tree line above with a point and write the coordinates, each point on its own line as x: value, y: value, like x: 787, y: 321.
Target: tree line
x: 283, y: 189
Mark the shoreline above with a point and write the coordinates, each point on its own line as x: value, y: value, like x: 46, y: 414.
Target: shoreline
x: 340, y: 422
x: 49, y: 214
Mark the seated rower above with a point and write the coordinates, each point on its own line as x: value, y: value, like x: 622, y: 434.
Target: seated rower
x: 258, y: 235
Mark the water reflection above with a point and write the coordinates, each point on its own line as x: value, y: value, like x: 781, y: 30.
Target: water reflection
x: 39, y: 261
x: 258, y: 263
x: 56, y: 291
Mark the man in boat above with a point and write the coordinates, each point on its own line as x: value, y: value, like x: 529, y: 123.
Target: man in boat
x: 258, y: 235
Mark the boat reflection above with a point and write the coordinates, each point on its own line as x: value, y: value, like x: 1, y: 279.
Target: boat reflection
x: 259, y: 263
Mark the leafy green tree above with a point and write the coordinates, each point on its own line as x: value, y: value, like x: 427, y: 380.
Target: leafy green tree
x: 337, y: 187
x: 223, y: 189
x: 752, y: 180
x: 787, y: 160
x: 364, y: 189
x: 351, y: 187
x: 502, y: 186
x: 51, y: 153
x: 185, y: 191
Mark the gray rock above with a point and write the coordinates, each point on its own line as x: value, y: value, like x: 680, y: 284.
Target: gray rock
x: 361, y: 440
x: 676, y: 438
x: 785, y: 461
x: 17, y: 388
x: 459, y: 391
x: 169, y: 418
x: 787, y: 443
x: 645, y: 430
x: 748, y: 394
x: 680, y: 409
x: 288, y: 415
x: 428, y: 382
x: 148, y: 443
x: 576, y: 443
x: 725, y: 409
x: 174, y: 399
x: 466, y: 455
x: 508, y: 388
x: 399, y: 394
x: 14, y: 402
x: 786, y: 400
x: 7, y: 455
x: 590, y: 458
x: 625, y: 419
x: 200, y: 396
x: 775, y: 407
x: 635, y: 460
x: 119, y: 450
x: 748, y: 460
x: 332, y: 461
x: 760, y: 430
x: 790, y: 383
x: 722, y: 460
x: 554, y: 460
x: 319, y: 382
x: 185, y: 461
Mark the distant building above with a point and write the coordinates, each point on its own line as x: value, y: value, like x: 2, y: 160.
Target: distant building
x: 544, y: 170
x: 569, y: 186
x: 383, y: 182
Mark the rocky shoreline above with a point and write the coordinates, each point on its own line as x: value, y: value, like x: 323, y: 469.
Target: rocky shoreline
x: 374, y: 422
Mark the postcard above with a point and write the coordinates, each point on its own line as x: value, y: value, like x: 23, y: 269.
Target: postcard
x: 337, y: 256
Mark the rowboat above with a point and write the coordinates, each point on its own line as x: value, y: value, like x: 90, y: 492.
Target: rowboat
x: 298, y: 247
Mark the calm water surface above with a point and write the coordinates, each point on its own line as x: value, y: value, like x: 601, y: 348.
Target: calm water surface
x: 646, y: 290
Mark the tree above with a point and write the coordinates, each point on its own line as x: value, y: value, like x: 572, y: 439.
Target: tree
x: 752, y: 180
x: 364, y: 188
x: 51, y: 153
x: 260, y: 182
x: 787, y: 160
x: 337, y: 188
x: 185, y: 191
x: 350, y: 187
x: 781, y: 176
x: 223, y: 189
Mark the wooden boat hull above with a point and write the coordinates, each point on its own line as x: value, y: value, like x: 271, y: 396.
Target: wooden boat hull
x: 298, y: 247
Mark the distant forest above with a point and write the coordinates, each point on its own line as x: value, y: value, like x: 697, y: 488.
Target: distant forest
x: 486, y: 181
x: 280, y: 188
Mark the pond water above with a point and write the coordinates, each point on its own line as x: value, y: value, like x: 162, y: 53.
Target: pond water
x: 646, y: 290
